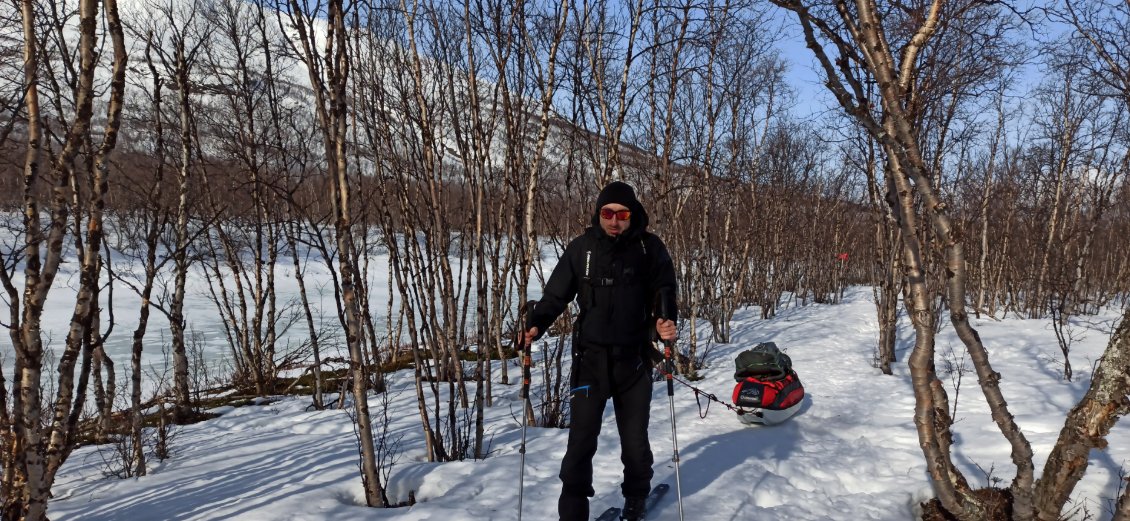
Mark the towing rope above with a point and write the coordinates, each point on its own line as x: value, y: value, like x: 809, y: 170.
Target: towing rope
x: 710, y: 397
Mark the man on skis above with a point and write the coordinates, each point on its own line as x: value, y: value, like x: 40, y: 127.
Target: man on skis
x: 615, y: 270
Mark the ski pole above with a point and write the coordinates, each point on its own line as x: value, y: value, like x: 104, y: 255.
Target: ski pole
x: 665, y: 313
x: 526, y: 362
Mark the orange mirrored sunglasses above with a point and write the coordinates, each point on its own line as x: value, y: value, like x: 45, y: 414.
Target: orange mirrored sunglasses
x: 620, y: 215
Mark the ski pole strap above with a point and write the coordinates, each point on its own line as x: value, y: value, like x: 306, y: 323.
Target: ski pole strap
x: 670, y: 367
x: 526, y: 362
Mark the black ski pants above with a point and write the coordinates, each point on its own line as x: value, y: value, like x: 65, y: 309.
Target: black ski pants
x: 600, y: 373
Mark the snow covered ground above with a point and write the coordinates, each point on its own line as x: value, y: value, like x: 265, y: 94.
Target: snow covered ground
x: 851, y: 453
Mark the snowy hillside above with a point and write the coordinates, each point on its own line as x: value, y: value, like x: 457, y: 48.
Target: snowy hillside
x: 851, y: 453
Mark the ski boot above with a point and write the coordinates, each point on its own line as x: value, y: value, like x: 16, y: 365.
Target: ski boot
x: 634, y: 509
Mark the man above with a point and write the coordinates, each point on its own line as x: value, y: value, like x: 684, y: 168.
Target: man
x: 616, y: 270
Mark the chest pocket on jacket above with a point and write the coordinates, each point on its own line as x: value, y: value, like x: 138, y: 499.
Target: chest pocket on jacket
x: 628, y: 276
x: 636, y: 267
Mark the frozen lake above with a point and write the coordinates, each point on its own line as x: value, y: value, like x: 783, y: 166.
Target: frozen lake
x: 204, y: 323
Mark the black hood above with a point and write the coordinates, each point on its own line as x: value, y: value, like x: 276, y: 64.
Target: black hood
x: 620, y: 192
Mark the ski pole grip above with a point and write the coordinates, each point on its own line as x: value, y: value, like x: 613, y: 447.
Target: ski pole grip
x: 666, y: 304
x: 526, y: 355
x: 666, y: 310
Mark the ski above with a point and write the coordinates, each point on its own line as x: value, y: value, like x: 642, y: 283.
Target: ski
x: 653, y: 497
x: 611, y: 514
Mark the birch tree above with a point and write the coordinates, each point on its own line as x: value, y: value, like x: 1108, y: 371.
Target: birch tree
x: 40, y: 445
x: 175, y: 37
x: 327, y: 60
x: 845, y: 35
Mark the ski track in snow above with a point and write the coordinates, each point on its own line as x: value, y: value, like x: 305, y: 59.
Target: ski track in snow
x: 850, y: 453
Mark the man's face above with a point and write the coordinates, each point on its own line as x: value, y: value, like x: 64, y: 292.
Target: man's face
x: 615, y: 218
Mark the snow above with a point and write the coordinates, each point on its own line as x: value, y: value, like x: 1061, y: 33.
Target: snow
x: 850, y: 453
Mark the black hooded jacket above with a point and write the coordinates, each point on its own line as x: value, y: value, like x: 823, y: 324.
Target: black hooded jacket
x: 616, y: 281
